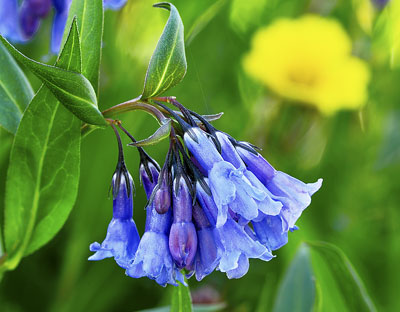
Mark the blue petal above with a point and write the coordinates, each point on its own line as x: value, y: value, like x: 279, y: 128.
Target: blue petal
x: 222, y: 187
x: 241, y: 270
x: 9, y: 21
x: 154, y: 260
x: 114, y: 4
x: 121, y: 242
x: 207, y: 257
x: 236, y: 242
x: 59, y: 21
x: 294, y: 195
x: 203, y: 150
x: 270, y: 204
x: 270, y: 232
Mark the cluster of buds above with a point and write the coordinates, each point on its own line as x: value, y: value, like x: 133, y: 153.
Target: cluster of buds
x: 214, y: 204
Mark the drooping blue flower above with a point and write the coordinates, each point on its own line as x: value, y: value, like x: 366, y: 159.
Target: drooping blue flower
x: 122, y: 237
x: 230, y: 187
x: 234, y: 245
x: 153, y: 258
x: 294, y: 194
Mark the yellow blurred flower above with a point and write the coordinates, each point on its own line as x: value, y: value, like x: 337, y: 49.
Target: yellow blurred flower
x: 309, y: 60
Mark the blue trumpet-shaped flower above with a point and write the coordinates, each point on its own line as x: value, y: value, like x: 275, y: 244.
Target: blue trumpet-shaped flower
x: 153, y: 258
x: 230, y: 186
x: 234, y: 245
x: 122, y: 237
x: 294, y: 194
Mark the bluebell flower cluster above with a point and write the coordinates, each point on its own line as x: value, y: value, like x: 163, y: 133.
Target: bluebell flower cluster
x: 20, y: 20
x: 215, y: 204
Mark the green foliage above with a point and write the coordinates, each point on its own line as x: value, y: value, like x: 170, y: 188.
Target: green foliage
x: 297, y: 290
x: 89, y: 15
x: 167, y: 65
x: 346, y: 282
x: 181, y: 300
x: 15, y: 92
x: 71, y: 88
x: 43, y: 175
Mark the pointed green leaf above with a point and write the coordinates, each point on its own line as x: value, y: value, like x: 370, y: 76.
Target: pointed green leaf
x: 89, y: 14
x: 43, y: 174
x: 167, y: 65
x: 160, y: 134
x: 15, y: 92
x: 347, y: 286
x: 181, y: 300
x: 71, y: 88
x: 297, y: 290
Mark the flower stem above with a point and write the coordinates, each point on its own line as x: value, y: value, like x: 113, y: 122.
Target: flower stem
x: 134, y: 104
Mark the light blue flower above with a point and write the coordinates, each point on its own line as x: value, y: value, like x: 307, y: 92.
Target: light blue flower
x: 234, y: 245
x: 153, y: 258
x: 122, y: 237
x: 228, y: 180
x: 294, y: 194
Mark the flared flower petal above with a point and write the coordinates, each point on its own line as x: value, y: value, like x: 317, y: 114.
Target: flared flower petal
x: 121, y: 242
x: 154, y: 260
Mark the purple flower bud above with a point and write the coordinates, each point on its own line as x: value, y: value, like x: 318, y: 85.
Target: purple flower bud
x: 182, y: 237
x: 183, y: 243
x: 162, y: 197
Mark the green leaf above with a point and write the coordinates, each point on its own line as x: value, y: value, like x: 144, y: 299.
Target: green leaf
x: 297, y: 290
x: 160, y: 134
x: 43, y: 174
x: 203, y: 20
x: 346, y: 282
x: 167, y: 65
x: 71, y: 88
x: 15, y: 92
x: 89, y: 14
x: 181, y: 300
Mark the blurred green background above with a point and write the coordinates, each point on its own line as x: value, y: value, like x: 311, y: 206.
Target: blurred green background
x: 357, y: 153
